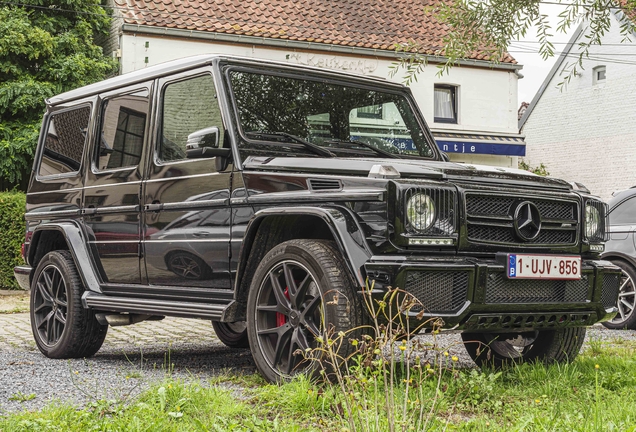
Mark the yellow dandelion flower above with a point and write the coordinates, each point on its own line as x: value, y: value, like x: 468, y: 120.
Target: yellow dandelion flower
x: 454, y: 358
x: 402, y: 347
x: 178, y: 408
x: 596, y: 366
x: 446, y: 353
x: 538, y: 401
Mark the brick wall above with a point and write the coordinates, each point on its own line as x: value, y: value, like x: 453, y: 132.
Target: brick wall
x: 587, y: 132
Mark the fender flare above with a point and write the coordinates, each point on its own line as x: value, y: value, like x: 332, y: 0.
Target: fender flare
x: 611, y: 255
x: 77, y: 246
x: 345, y: 230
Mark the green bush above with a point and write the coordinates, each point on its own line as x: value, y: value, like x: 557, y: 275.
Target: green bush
x: 12, y: 230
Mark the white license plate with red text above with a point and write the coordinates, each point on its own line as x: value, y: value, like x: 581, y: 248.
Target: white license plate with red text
x: 521, y: 266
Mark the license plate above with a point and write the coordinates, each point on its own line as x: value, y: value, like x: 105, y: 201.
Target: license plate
x: 543, y: 267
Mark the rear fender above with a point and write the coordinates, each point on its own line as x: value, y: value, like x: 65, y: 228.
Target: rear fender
x: 76, y: 243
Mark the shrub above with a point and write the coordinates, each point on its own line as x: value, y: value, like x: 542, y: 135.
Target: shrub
x: 12, y: 228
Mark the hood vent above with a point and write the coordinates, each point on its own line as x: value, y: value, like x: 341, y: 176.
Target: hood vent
x: 318, y: 185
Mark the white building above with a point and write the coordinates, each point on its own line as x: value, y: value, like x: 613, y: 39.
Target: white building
x: 472, y: 110
x: 586, y: 131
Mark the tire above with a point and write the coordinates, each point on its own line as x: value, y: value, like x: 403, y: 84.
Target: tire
x: 626, y: 318
x: 281, y: 322
x: 233, y: 335
x: 61, y: 326
x: 499, y: 350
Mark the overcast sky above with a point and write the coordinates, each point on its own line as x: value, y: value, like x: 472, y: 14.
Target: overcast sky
x: 525, y: 52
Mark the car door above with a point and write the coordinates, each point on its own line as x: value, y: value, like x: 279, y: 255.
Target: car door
x: 622, y: 223
x: 186, y: 212
x: 113, y: 183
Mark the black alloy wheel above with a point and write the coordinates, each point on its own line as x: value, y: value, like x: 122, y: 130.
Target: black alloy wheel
x: 62, y: 327
x: 500, y: 350
x: 300, y: 290
x: 50, y: 305
x: 625, y: 318
x: 288, y: 315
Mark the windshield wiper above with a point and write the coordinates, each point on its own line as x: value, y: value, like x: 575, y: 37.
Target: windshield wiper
x: 313, y: 147
x: 366, y: 145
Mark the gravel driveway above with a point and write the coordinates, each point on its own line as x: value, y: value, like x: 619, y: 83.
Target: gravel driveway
x: 135, y: 356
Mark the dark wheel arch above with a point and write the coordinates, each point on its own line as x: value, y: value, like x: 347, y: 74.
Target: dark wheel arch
x: 273, y: 226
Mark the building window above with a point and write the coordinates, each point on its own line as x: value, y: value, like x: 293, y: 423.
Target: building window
x: 599, y: 74
x: 371, y: 111
x: 445, y: 104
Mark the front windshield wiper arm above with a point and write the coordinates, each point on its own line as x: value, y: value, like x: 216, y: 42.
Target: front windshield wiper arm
x: 313, y: 147
x: 366, y: 145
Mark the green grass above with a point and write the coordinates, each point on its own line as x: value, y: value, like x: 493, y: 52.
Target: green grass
x: 594, y: 393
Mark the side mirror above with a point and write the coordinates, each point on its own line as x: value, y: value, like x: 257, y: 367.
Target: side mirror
x: 203, y: 138
x: 204, y: 143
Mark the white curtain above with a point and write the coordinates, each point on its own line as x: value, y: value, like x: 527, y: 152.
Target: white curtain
x: 444, y: 103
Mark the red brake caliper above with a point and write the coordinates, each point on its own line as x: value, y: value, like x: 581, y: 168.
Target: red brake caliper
x: 280, y: 318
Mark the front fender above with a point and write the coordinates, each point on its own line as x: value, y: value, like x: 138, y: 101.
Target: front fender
x: 344, y: 228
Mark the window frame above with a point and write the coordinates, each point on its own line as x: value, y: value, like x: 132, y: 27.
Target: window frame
x: 110, y: 96
x: 454, y: 92
x: 595, y: 72
x: 160, y: 116
x: 45, y: 130
x: 627, y: 201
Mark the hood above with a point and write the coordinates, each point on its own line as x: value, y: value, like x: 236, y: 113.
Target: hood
x: 408, y: 168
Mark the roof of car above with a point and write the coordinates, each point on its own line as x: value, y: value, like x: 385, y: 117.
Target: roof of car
x: 187, y: 63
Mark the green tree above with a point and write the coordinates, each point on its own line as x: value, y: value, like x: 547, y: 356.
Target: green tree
x: 46, y: 47
x: 489, y: 26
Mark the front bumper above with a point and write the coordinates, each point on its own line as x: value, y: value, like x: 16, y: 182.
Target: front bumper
x: 22, y: 275
x: 474, y: 294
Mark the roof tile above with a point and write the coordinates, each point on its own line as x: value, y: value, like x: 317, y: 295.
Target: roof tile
x: 379, y: 24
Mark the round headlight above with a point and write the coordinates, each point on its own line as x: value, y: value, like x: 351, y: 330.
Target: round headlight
x: 420, y: 211
x: 592, y: 221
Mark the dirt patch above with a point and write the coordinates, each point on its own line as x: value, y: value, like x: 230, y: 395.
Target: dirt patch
x: 14, y: 301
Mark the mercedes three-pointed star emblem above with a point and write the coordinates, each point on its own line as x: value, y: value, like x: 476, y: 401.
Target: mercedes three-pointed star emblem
x: 527, y: 221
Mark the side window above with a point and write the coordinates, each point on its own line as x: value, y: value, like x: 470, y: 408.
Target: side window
x: 189, y: 107
x: 64, y: 142
x: 122, y: 131
x: 624, y: 214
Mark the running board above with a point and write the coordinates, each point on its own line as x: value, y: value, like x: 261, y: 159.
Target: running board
x: 153, y: 307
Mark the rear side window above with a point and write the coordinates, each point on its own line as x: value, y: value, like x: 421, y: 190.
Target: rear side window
x: 122, y: 131
x: 64, y: 141
x: 189, y: 106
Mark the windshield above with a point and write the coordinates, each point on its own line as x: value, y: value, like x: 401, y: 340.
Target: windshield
x: 294, y: 116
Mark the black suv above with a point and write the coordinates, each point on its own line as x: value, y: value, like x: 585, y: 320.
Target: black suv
x: 265, y: 197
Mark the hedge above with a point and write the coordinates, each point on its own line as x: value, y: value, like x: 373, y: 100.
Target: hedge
x: 12, y: 228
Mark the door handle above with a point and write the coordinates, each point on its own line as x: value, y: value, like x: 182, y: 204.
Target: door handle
x: 156, y: 207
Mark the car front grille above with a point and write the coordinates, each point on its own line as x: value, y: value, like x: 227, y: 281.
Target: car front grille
x: 490, y: 220
x: 437, y: 291
x: 499, y: 289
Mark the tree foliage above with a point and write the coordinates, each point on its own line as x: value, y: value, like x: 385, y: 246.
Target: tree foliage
x: 46, y: 47
x: 489, y: 26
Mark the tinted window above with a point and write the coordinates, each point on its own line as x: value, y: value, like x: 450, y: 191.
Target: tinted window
x: 122, y: 133
x: 624, y: 213
x: 188, y: 106
x: 343, y: 118
x: 64, y: 142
